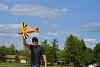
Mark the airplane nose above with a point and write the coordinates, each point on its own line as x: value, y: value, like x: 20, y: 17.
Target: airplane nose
x: 36, y: 30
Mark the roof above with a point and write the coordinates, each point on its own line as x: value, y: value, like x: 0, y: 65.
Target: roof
x: 22, y: 57
x: 10, y: 56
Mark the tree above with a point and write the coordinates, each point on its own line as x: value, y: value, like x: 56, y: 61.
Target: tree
x: 47, y: 50
x: 50, y: 50
x: 71, y: 48
x: 88, y: 56
x: 60, y: 54
x: 12, y: 50
x: 76, y: 51
x: 3, y: 50
x: 24, y: 52
x: 54, y: 48
x: 97, y: 52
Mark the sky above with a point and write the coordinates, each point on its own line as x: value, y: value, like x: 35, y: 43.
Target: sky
x: 56, y: 19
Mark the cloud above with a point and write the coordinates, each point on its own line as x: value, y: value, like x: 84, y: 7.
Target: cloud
x: 90, y: 42
x: 94, y: 27
x: 53, y: 26
x: 46, y: 38
x: 34, y: 10
x: 9, y: 26
x: 74, y: 33
x: 9, y: 30
x: 37, y: 10
x: 9, y: 42
x: 3, y: 7
x: 56, y: 30
x: 56, y: 34
x: 9, y: 35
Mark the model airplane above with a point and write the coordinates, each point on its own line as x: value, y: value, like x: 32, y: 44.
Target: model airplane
x: 25, y: 31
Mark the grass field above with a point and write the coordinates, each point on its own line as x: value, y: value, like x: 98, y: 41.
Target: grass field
x: 13, y: 65
x: 22, y: 65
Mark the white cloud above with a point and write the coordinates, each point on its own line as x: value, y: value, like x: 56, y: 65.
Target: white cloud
x: 72, y: 33
x: 46, y: 37
x: 91, y: 27
x: 37, y: 10
x: 34, y: 10
x: 3, y: 7
x: 90, y: 42
x: 9, y: 30
x: 9, y: 26
x: 9, y: 35
x: 52, y: 34
x: 53, y: 26
x: 57, y: 33
x: 58, y: 30
x: 9, y: 42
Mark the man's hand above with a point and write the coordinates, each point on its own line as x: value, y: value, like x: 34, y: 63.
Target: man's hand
x: 25, y: 44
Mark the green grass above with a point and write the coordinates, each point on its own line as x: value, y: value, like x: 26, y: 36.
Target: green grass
x: 22, y: 65
x: 13, y: 65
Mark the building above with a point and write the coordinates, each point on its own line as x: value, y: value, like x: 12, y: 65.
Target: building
x: 22, y: 59
x: 10, y: 58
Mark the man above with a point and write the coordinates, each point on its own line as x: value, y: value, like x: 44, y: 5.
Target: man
x: 36, y: 52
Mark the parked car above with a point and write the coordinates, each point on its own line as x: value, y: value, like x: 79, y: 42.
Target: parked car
x: 98, y: 65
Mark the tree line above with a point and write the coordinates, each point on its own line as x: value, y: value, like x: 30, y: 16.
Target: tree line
x: 75, y: 51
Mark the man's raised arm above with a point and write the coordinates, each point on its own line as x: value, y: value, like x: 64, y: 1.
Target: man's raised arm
x: 25, y: 44
x: 45, y: 60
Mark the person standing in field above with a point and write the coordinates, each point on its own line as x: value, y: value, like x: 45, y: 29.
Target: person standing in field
x: 36, y: 52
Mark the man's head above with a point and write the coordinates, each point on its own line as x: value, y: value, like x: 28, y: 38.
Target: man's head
x: 35, y: 41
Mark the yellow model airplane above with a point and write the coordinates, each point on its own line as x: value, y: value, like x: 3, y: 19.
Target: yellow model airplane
x: 25, y: 31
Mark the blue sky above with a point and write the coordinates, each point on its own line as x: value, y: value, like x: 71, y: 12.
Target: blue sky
x: 55, y: 19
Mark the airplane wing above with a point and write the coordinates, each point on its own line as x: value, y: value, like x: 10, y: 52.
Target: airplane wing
x: 25, y: 35
x: 24, y: 30
x: 24, y: 25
